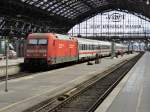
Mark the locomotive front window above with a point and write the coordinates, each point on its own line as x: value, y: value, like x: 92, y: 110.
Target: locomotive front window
x: 42, y: 42
x: 33, y: 41
x: 38, y: 42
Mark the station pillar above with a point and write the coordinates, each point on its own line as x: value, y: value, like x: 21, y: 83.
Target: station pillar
x: 112, y: 49
x: 146, y: 45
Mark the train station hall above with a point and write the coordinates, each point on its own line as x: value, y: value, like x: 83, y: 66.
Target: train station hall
x: 74, y: 55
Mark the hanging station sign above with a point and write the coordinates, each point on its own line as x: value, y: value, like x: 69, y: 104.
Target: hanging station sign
x: 116, y: 26
x: 115, y: 17
x: 115, y: 21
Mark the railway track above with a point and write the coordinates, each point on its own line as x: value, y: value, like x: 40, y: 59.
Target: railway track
x: 88, y: 96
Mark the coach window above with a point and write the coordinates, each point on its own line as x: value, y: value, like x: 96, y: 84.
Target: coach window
x: 83, y: 47
x: 104, y: 47
x: 96, y: 47
x: 86, y: 47
x: 33, y: 41
x: 80, y: 47
x: 93, y: 47
x: 99, y: 47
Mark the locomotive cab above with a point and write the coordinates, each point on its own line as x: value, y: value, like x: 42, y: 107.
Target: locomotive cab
x: 36, y: 50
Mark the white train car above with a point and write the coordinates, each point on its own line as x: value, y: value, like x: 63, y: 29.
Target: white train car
x: 105, y: 48
x: 121, y: 48
x: 91, y: 48
x: 88, y: 48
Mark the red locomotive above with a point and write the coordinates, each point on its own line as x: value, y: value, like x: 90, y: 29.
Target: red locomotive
x: 51, y: 49
x: 48, y: 48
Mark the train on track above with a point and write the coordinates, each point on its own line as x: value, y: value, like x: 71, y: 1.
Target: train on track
x: 52, y: 49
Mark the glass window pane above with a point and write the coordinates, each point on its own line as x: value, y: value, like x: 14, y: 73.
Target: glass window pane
x: 33, y: 41
x: 42, y: 41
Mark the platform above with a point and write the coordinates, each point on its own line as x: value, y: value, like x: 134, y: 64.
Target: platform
x: 30, y: 90
x: 11, y: 62
x: 133, y: 92
x: 14, y: 66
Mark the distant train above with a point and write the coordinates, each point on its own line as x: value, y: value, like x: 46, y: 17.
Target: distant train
x: 51, y: 49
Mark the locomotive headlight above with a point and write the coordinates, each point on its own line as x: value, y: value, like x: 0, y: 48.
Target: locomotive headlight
x: 42, y: 51
x: 30, y: 51
x: 28, y: 55
x: 44, y: 54
x: 49, y: 58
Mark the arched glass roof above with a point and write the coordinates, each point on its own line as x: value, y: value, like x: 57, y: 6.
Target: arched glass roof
x: 61, y: 15
x: 67, y: 8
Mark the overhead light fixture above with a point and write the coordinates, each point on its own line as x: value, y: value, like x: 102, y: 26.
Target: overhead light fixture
x: 23, y: 0
x: 45, y: 0
x: 18, y: 15
x: 147, y: 2
x: 35, y: 0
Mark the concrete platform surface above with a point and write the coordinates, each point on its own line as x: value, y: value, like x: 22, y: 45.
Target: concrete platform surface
x: 11, y: 62
x: 133, y: 93
x: 30, y: 90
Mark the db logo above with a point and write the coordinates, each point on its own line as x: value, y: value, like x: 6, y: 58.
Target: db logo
x: 116, y: 17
